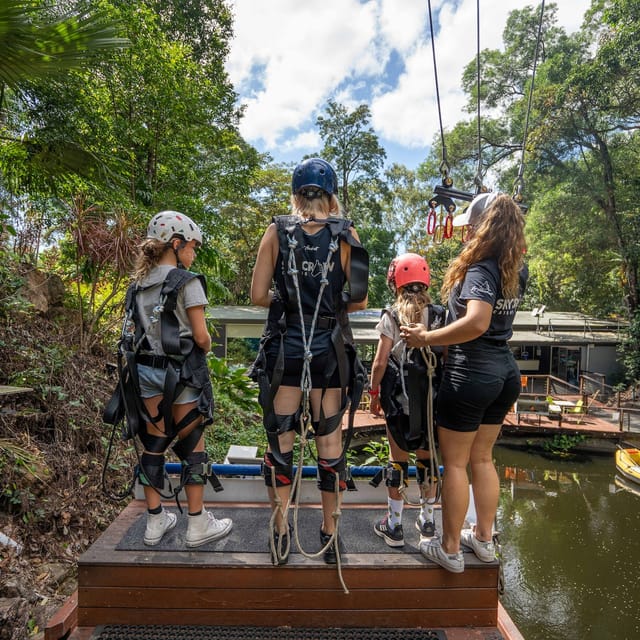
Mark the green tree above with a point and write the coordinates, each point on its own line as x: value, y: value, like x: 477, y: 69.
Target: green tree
x: 350, y: 144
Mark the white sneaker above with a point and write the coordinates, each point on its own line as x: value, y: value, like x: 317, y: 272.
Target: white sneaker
x: 432, y: 550
x: 205, y: 527
x: 485, y: 551
x: 157, y: 525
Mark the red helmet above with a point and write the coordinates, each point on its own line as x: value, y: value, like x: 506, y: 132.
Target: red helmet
x: 408, y: 269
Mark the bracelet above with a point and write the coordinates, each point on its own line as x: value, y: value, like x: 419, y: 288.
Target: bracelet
x: 373, y: 393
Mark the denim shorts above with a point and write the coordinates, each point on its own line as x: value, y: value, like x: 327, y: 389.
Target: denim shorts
x: 152, y: 384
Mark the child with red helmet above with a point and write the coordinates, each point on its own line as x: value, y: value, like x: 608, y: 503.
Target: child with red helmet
x: 403, y: 386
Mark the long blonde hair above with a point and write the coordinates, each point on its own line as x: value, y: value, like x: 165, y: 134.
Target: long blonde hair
x: 410, y: 306
x: 499, y: 235
x: 327, y: 205
x: 149, y: 253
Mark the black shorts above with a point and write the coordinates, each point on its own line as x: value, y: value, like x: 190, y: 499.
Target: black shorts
x: 292, y: 374
x: 480, y: 384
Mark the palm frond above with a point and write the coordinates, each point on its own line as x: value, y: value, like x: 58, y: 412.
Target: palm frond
x: 35, y: 44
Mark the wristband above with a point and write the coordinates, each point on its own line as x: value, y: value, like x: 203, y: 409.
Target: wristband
x: 373, y: 393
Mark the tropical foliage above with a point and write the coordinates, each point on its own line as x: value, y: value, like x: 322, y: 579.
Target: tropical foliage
x: 111, y: 110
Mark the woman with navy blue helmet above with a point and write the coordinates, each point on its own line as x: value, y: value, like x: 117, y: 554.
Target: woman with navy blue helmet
x: 310, y: 271
x: 481, y: 380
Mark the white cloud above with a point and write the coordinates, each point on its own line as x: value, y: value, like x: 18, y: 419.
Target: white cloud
x: 302, y: 51
x: 289, y: 57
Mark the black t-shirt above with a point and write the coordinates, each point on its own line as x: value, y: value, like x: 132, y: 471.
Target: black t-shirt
x: 482, y: 282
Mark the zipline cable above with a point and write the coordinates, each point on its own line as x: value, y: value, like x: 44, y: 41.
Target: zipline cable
x: 519, y: 182
x: 444, y: 165
x: 478, y: 178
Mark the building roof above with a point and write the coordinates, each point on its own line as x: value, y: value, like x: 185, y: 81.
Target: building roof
x: 548, y: 328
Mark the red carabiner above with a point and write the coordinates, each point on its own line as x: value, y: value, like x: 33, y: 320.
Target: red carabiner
x: 431, y: 222
x: 448, y: 226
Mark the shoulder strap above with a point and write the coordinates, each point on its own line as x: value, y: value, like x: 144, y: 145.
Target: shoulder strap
x: 437, y: 315
x: 359, y: 278
x: 172, y: 344
x: 289, y: 225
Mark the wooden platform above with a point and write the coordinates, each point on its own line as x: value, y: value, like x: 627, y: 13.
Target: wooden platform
x: 211, y: 585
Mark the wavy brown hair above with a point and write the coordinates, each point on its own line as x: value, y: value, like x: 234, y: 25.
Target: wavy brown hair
x: 149, y: 253
x: 500, y: 235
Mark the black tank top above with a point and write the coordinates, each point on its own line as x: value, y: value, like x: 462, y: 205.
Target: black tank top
x: 310, y: 260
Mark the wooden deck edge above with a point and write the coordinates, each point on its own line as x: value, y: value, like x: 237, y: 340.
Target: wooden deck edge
x: 506, y: 626
x: 64, y: 620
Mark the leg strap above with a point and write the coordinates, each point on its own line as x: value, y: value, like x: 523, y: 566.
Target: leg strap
x: 332, y: 472
x: 194, y: 468
x: 423, y: 467
x: 397, y: 474
x: 154, y: 444
x: 151, y: 470
x: 275, y: 474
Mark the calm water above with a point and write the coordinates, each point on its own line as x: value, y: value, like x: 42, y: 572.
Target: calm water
x: 571, y: 548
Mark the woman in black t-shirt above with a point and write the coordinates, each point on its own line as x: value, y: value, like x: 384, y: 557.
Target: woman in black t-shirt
x: 483, y: 288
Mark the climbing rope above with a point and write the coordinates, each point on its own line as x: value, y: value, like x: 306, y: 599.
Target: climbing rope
x: 444, y: 165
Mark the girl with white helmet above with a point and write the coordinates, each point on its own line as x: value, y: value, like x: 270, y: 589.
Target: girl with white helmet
x: 167, y: 304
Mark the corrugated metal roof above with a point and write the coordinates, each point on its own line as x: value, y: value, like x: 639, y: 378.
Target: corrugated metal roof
x: 550, y: 328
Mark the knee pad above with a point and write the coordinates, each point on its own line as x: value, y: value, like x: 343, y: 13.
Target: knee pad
x: 332, y: 472
x: 279, y: 474
x: 397, y: 474
x: 150, y: 471
x: 194, y: 468
x: 185, y: 446
x: 422, y: 469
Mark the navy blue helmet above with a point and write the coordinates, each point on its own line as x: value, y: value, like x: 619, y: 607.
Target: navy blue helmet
x: 314, y: 172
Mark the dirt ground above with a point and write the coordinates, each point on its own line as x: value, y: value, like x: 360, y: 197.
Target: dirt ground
x: 52, y: 444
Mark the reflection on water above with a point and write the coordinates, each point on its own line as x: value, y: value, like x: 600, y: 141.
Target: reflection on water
x: 571, y: 547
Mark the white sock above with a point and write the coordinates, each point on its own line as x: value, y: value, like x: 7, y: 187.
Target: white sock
x: 426, y: 513
x: 395, y: 511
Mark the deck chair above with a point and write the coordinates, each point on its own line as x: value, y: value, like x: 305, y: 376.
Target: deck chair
x: 577, y: 410
x: 555, y: 411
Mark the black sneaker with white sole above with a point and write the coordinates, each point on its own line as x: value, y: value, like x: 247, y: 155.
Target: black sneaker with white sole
x: 393, y: 536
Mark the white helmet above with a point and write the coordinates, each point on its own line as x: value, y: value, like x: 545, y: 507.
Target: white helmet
x: 167, y: 224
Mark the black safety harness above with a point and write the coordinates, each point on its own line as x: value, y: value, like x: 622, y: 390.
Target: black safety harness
x: 281, y: 312
x: 413, y: 378
x: 285, y: 310
x: 185, y: 364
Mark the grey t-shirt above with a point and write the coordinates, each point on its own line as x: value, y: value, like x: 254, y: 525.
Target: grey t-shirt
x: 148, y: 298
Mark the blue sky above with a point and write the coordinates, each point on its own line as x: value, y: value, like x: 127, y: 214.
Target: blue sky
x: 288, y: 57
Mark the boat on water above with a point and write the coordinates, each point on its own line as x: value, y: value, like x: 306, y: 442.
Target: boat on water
x: 628, y: 463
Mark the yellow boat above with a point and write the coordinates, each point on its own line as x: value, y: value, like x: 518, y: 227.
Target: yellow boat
x: 628, y: 463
